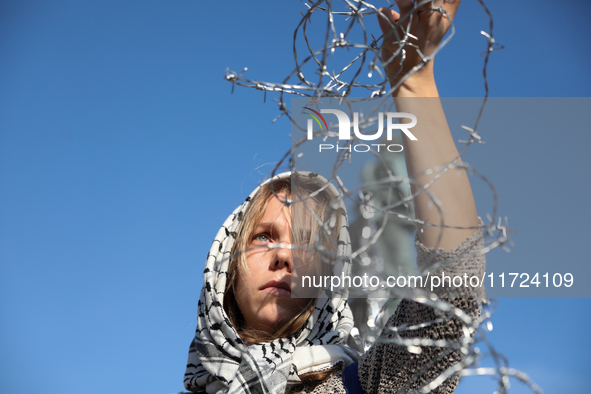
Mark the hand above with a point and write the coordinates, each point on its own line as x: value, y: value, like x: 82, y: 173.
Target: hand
x: 429, y: 22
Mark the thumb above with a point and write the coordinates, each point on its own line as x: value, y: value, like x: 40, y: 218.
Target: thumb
x: 386, y: 19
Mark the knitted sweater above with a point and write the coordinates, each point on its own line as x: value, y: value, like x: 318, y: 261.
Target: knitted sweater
x: 388, y: 367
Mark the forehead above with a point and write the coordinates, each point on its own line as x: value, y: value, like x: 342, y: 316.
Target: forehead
x: 298, y: 214
x: 276, y: 209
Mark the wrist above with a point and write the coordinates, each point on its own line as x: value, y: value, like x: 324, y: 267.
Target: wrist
x: 420, y: 84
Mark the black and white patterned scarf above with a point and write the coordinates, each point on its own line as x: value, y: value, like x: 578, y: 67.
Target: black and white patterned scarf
x: 219, y: 362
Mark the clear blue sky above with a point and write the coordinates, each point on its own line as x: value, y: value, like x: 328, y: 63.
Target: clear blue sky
x: 122, y: 150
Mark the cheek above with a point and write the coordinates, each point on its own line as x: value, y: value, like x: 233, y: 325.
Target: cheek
x: 307, y: 268
x: 255, y: 261
x: 306, y: 259
x: 244, y: 299
x: 246, y: 288
x: 242, y: 286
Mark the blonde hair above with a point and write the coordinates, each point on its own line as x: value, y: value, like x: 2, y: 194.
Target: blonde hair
x: 326, y: 222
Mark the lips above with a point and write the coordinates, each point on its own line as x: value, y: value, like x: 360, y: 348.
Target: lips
x: 278, y: 287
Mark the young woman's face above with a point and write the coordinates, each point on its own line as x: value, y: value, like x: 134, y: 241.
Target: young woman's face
x: 263, y: 293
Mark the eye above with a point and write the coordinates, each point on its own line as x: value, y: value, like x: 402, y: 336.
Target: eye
x: 264, y: 237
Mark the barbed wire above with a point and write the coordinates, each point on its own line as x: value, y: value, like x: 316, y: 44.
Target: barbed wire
x: 338, y: 59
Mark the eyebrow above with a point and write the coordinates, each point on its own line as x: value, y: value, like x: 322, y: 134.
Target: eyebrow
x: 267, y: 226
x: 272, y: 228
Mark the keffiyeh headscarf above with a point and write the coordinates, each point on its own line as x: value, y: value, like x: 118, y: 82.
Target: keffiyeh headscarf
x: 220, y: 362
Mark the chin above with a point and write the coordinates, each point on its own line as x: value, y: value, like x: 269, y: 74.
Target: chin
x: 275, y: 320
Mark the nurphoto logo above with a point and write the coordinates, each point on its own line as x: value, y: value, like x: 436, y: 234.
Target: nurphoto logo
x: 345, y: 129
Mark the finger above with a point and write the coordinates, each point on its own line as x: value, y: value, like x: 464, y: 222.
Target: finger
x: 449, y: 6
x: 405, y: 6
x: 387, y: 19
x: 428, y: 7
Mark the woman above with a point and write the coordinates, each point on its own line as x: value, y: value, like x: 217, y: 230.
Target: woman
x: 253, y: 337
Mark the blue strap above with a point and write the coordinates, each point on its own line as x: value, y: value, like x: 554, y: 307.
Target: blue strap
x: 351, y: 379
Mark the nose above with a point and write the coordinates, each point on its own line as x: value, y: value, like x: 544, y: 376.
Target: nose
x: 282, y: 258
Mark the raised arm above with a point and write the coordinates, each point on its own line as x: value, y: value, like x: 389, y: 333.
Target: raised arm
x: 434, y: 147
